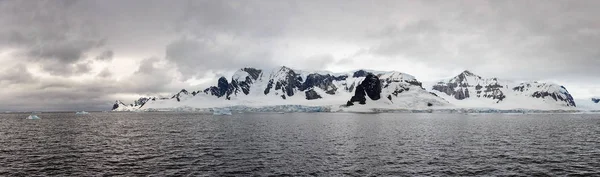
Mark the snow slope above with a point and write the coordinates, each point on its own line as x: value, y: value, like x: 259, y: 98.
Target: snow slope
x: 592, y: 104
x: 468, y: 90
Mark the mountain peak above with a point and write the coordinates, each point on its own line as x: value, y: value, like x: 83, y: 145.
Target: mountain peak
x: 468, y: 73
x: 465, y: 74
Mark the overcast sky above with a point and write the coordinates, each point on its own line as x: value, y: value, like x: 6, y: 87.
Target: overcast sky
x: 75, y: 55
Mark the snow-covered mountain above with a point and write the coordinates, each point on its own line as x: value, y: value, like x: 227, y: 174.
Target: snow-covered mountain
x: 286, y: 86
x: 468, y: 90
x: 361, y: 90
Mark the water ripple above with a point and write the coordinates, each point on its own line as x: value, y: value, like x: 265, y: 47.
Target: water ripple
x: 186, y: 144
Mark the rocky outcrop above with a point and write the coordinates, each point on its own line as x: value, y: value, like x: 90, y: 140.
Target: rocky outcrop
x: 118, y: 104
x: 468, y: 85
x: 458, y: 87
x: 284, y: 80
x: 370, y: 86
x: 179, y: 94
x: 311, y: 95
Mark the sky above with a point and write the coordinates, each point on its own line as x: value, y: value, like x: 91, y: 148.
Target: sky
x: 83, y: 55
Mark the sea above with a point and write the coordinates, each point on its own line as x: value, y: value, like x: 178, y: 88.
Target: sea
x: 299, y: 144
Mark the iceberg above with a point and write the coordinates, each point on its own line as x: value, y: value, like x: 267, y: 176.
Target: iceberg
x: 82, y: 113
x: 221, y: 111
x: 33, y: 117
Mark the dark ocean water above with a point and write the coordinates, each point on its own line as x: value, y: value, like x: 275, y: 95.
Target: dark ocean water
x: 298, y: 144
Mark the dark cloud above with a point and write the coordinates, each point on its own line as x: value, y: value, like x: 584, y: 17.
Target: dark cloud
x: 522, y: 40
x: 50, y: 33
x: 15, y: 75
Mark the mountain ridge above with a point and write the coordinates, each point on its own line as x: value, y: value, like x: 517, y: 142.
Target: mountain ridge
x: 493, y: 92
x: 386, y: 89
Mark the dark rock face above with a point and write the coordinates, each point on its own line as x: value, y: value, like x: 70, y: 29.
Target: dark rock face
x: 359, y: 96
x: 494, y: 92
x: 458, y: 87
x: 223, y: 88
x: 142, y: 101
x: 269, y: 86
x: 244, y: 85
x: 361, y: 73
x: 253, y: 73
x: 557, y: 97
x: 291, y: 81
x: 226, y: 89
x: 178, y: 95
x: 324, y: 82
x: 596, y: 100
x: 564, y: 97
x: 311, y: 95
x: 370, y: 87
x: 116, y: 105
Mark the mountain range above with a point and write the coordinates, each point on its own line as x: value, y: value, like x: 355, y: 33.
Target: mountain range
x: 360, y: 89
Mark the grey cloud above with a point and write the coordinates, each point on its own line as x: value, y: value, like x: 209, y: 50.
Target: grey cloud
x: 15, y: 75
x: 149, y: 79
x: 197, y: 57
x: 105, y: 56
x: 516, y: 39
x: 58, y: 94
x: 48, y: 32
x: 58, y: 68
x: 252, y: 17
x: 105, y: 73
x: 529, y: 40
x: 316, y: 62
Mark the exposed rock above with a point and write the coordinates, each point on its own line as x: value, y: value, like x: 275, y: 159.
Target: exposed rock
x: 311, y: 95
x: 324, y: 82
x: 461, y: 86
x: 287, y: 82
x: 370, y: 86
x: 252, y: 72
x: 179, y: 94
x: 361, y: 73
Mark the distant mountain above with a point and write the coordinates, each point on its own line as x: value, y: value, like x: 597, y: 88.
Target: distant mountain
x: 286, y: 86
x: 470, y: 90
x: 360, y: 89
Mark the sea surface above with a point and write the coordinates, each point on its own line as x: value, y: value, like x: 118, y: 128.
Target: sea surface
x: 299, y: 144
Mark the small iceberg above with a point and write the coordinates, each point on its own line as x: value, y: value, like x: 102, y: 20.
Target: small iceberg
x: 82, y: 113
x: 33, y: 117
x: 221, y: 111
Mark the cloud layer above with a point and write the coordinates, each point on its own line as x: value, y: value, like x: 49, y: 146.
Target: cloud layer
x: 69, y: 55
